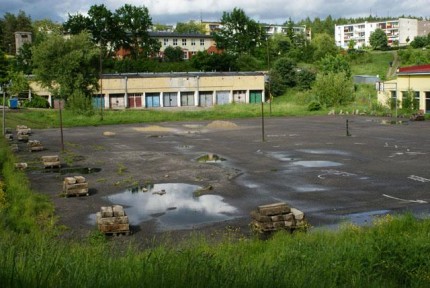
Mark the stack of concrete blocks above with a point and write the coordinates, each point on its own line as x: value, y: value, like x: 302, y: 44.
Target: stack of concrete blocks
x: 8, y: 133
x: 277, y: 216
x: 34, y: 145
x: 75, y: 186
x: 22, y: 133
x: 113, y: 220
x: 21, y: 166
x: 51, y: 161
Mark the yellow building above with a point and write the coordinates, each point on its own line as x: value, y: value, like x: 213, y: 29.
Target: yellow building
x: 413, y: 79
x: 147, y: 90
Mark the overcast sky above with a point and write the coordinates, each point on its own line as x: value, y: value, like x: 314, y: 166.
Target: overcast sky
x: 264, y: 11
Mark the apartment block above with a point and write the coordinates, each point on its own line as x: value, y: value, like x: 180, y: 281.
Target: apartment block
x: 399, y: 32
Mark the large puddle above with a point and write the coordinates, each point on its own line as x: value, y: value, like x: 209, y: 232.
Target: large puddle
x: 172, y: 205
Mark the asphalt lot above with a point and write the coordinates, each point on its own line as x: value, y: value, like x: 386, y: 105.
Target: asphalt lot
x: 308, y: 162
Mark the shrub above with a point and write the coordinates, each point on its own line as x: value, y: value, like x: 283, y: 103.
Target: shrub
x: 37, y: 102
x: 314, y: 106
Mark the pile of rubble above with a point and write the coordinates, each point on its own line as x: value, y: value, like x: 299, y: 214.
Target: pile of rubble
x: 75, y: 186
x: 113, y: 220
x: 277, y: 216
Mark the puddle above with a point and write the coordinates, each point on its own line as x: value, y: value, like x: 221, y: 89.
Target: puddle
x: 365, y: 218
x: 315, y: 164
x: 210, y: 158
x: 325, y: 152
x: 76, y: 170
x: 171, y: 205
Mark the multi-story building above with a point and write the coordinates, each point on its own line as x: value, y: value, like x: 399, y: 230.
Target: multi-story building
x: 189, y: 43
x: 272, y: 29
x: 399, y: 32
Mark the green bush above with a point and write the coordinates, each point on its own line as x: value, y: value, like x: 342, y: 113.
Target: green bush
x: 37, y: 102
x: 314, y: 106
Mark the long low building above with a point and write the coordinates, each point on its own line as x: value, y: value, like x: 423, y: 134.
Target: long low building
x: 147, y: 90
x: 412, y: 79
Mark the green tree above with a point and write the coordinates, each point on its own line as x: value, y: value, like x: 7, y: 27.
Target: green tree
x: 378, y: 39
x: 45, y: 27
x: 204, y: 61
x: 239, y: 34
x: 191, y: 27
x: 173, y: 54
x: 335, y: 64
x: 420, y: 42
x: 134, y: 24
x: 68, y: 68
x: 282, y: 75
x: 4, y: 68
x: 333, y: 89
x: 23, y: 61
x: 76, y: 24
x: 324, y: 45
x: 18, y: 83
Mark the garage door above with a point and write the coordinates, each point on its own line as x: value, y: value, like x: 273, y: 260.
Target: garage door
x: 255, y: 96
x: 239, y: 96
x: 187, y: 98
x: 97, y: 103
x: 206, y: 99
x: 222, y: 97
x: 170, y: 99
x: 117, y: 101
x: 134, y: 100
x: 152, y: 100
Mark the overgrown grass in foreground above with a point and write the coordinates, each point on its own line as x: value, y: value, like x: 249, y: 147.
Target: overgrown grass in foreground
x: 394, y: 252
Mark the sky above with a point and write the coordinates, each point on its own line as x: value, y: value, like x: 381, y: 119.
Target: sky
x: 263, y: 11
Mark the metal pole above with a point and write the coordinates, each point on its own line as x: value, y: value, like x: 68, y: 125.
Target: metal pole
x: 4, y: 117
x: 262, y: 121
x: 61, y: 127
x: 101, y: 84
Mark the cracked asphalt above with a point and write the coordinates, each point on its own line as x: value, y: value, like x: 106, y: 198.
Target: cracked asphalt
x: 308, y: 162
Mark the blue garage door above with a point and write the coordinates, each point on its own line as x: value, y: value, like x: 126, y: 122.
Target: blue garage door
x: 152, y: 100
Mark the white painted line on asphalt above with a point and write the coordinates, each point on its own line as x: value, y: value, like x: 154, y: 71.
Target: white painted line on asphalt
x: 404, y: 200
x: 418, y: 178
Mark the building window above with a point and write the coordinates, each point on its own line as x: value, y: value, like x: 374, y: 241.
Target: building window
x: 184, y: 42
x: 202, y: 42
x: 166, y: 41
x: 185, y: 55
x: 175, y: 42
x: 193, y: 42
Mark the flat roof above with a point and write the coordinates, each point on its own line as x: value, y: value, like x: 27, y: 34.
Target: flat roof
x: 181, y: 74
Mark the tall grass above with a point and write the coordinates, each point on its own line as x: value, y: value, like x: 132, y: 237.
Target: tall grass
x: 392, y: 253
